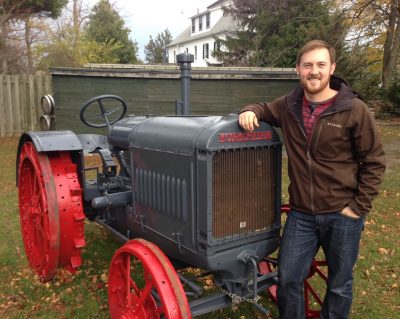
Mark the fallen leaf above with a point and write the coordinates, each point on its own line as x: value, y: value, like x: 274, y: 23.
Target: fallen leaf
x: 104, y: 277
x: 383, y: 251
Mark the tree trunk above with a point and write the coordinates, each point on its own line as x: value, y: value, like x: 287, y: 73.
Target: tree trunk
x: 3, y: 49
x: 28, y: 45
x: 76, y: 24
x: 392, y: 44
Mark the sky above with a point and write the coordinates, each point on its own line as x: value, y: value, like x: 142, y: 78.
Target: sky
x: 150, y: 17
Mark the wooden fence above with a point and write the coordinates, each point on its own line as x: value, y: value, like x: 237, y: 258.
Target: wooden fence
x: 154, y: 89
x: 20, y: 96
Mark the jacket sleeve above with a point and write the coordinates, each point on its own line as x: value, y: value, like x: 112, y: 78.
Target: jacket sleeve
x: 268, y: 112
x: 368, y: 152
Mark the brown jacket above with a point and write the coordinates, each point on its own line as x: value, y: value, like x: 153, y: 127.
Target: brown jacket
x: 343, y: 165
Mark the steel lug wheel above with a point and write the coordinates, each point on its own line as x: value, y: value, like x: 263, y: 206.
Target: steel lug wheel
x: 142, y: 284
x: 51, y: 210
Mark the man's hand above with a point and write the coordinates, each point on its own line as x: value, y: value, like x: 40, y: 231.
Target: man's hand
x: 248, y: 121
x: 347, y: 211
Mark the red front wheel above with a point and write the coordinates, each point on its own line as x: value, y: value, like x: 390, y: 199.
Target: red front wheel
x: 142, y: 284
x: 51, y: 212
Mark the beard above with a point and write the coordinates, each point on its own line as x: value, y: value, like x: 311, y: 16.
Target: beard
x: 314, y: 84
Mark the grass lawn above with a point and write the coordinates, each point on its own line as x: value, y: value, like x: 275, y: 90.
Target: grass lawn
x: 84, y: 294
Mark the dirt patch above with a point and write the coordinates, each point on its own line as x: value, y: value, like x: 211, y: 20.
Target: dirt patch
x: 391, y: 145
x: 392, y: 152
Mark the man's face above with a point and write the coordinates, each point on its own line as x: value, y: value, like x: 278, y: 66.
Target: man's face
x: 315, y: 70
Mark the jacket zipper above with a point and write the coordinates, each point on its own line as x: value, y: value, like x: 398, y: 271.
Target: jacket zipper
x: 309, y: 147
x: 309, y: 164
x: 311, y: 179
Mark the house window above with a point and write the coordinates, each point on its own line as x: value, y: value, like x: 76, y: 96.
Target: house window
x: 205, y: 51
x: 187, y: 50
x: 208, y: 20
x: 174, y: 56
x: 200, y: 23
x: 193, y: 26
x: 195, y: 52
x: 217, y: 46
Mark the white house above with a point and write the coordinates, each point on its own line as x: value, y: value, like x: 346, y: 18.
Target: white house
x: 200, y: 38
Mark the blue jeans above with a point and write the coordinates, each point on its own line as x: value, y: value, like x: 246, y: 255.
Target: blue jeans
x: 303, y: 234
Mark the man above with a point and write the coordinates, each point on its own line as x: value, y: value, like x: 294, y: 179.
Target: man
x: 336, y: 165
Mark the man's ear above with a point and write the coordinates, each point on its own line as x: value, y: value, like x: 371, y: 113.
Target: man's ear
x: 297, y: 69
x: 333, y: 68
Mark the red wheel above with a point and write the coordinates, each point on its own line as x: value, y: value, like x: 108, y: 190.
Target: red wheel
x: 51, y: 213
x: 316, y: 279
x: 142, y: 284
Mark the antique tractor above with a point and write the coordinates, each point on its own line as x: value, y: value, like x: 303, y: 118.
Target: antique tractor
x: 180, y: 191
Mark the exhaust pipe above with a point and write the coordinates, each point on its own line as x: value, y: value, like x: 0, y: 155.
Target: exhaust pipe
x: 184, y: 60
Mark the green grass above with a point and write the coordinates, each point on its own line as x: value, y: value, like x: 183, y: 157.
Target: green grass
x: 84, y: 294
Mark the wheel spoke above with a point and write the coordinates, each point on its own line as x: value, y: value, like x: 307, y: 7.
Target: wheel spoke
x: 115, y: 109
x: 135, y: 288
x: 128, y: 280
x: 34, y: 183
x: 310, y: 289
x: 95, y: 116
x: 102, y: 108
x: 144, y: 294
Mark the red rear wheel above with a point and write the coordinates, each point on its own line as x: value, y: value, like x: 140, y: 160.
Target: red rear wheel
x: 142, y: 284
x: 51, y: 213
x: 313, y: 285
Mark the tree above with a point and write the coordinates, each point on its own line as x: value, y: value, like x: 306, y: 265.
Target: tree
x: 155, y: 51
x: 107, y: 28
x: 271, y: 32
x: 64, y: 45
x: 14, y: 14
x: 392, y: 43
x: 19, y: 9
x: 375, y: 25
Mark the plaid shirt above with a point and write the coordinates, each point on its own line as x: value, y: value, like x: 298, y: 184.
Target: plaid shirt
x: 311, y: 113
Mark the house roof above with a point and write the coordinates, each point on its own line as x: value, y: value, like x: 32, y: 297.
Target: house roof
x: 215, y: 3
x: 225, y: 24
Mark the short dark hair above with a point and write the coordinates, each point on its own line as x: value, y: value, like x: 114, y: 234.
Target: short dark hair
x: 316, y: 44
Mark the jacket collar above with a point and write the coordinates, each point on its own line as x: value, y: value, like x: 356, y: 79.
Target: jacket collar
x: 342, y: 102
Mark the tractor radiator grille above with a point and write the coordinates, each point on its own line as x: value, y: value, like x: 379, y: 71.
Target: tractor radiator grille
x: 164, y: 193
x: 244, y: 191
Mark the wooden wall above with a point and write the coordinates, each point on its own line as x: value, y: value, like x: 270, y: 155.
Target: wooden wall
x: 213, y: 92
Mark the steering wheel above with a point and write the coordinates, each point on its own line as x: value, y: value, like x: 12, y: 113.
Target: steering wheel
x: 108, y: 114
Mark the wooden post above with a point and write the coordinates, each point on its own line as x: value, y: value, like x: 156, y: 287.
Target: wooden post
x: 23, y: 101
x: 17, y: 108
x: 9, y: 106
x: 31, y: 102
x: 2, y: 108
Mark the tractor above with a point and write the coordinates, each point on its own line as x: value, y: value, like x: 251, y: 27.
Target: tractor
x: 179, y: 191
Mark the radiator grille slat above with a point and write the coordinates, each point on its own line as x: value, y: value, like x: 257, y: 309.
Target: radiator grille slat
x: 244, y: 191
x: 163, y: 193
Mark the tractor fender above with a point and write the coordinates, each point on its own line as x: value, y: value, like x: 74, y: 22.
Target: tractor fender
x: 49, y: 141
